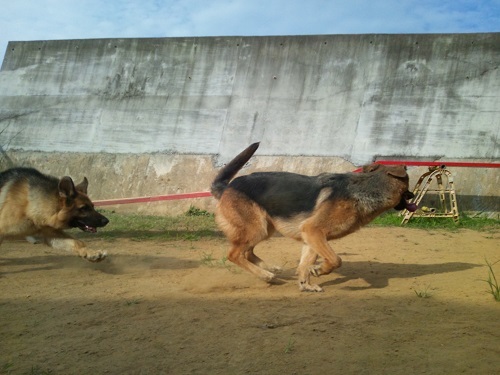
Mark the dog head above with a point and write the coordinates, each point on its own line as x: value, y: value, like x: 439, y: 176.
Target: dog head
x: 77, y: 209
x: 399, y: 181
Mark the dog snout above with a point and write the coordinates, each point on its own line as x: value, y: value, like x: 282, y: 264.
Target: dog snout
x: 96, y: 220
x: 408, y: 195
x: 104, y: 221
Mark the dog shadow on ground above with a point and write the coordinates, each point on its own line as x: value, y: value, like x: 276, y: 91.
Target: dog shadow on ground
x: 378, y: 274
x: 116, y: 265
x: 375, y: 274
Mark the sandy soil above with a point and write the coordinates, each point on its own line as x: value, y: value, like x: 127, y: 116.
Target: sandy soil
x: 178, y: 308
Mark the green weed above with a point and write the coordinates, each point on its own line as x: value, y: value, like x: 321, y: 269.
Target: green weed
x: 290, y: 346
x: 209, y: 261
x: 492, y: 281
x: 423, y: 293
x: 6, y: 368
x: 37, y: 370
x: 392, y: 219
x: 193, y: 211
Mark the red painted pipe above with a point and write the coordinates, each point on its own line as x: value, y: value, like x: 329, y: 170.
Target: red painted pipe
x: 170, y: 197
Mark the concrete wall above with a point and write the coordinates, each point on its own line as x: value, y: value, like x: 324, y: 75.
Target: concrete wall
x: 154, y: 116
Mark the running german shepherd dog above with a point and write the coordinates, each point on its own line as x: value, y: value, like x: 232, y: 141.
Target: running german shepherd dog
x: 311, y: 209
x: 35, y: 204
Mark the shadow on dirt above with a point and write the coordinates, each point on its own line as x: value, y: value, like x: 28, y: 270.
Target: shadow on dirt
x: 378, y: 274
x: 118, y: 264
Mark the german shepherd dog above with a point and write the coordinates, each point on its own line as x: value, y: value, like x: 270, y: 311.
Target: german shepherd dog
x: 311, y: 209
x: 33, y: 204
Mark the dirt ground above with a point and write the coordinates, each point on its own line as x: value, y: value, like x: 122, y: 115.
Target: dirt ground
x: 178, y: 308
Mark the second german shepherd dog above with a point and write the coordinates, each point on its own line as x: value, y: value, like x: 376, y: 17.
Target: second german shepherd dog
x: 310, y: 209
x: 39, y: 205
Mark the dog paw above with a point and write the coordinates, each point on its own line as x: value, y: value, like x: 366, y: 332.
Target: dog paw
x: 96, y: 257
x: 33, y: 240
x: 315, y: 271
x: 267, y: 276
x: 275, y: 269
x: 324, y: 268
x: 305, y: 287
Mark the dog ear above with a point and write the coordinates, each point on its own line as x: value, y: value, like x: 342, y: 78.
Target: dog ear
x: 67, y: 188
x: 82, y: 186
x: 370, y: 168
x: 397, y: 171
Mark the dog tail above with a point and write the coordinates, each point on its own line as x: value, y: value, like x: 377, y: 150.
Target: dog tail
x: 227, y: 173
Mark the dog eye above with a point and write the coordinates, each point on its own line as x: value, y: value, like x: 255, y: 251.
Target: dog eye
x: 84, y: 208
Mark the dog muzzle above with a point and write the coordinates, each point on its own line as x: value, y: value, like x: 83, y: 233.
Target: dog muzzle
x: 405, y: 203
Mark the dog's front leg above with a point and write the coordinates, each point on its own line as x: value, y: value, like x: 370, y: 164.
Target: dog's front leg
x: 304, y: 270
x: 316, y: 239
x: 61, y: 241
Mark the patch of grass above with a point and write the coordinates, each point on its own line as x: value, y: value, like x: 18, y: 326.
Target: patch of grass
x: 492, y: 281
x: 193, y: 211
x: 6, y: 368
x: 466, y: 222
x: 290, y: 346
x: 387, y: 219
x: 37, y: 370
x: 423, y: 293
x: 209, y: 261
x: 191, y: 226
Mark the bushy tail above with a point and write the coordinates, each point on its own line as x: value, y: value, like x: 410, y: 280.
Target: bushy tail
x: 227, y: 173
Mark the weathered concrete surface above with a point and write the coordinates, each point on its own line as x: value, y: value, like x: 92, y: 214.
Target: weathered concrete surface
x: 346, y: 98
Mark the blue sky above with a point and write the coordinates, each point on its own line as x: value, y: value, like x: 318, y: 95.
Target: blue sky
x: 82, y: 19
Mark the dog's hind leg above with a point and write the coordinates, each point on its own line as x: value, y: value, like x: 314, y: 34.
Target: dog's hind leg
x: 245, y: 225
x: 250, y: 255
x: 243, y: 256
x: 307, y: 260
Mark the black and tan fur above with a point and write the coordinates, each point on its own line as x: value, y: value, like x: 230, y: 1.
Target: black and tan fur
x: 33, y: 204
x: 310, y: 209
